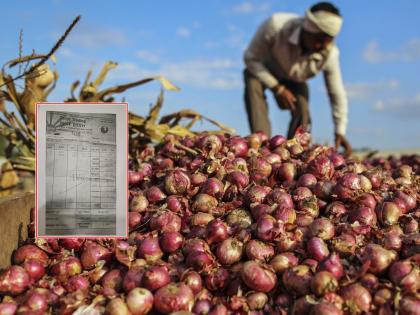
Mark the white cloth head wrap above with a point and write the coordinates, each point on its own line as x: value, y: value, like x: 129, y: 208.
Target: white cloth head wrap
x: 322, y: 22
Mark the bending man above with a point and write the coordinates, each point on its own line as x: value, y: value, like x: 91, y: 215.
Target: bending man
x: 286, y: 51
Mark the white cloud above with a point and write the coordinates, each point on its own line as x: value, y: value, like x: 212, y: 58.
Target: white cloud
x: 94, y: 37
x: 148, y: 56
x: 365, y: 90
x: 183, y: 32
x: 220, y: 74
x: 248, y: 7
x: 403, y: 107
x: 408, y: 52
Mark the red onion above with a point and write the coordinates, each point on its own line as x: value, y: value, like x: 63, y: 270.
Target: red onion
x: 306, y: 180
x: 149, y: 249
x: 257, y: 250
x: 8, y: 308
x: 378, y: 257
x: 277, y: 141
x: 323, y: 282
x: 200, y: 260
x: 283, y: 261
x: 268, y: 228
x: 285, y: 215
x: 217, y: 279
x: 133, y: 278
x: 155, y: 195
x: 256, y: 300
x: 30, y: 252
x: 324, y: 189
x: 35, y: 302
x: 229, y: 251
x: 259, y: 168
x: 204, y: 203
x: 155, y: 277
x: 139, y: 203
x: 321, y: 167
x: 337, y: 159
x: 202, y: 307
x: 134, y: 219
x: 75, y: 244
x: 344, y: 244
x: 325, y: 309
x: 238, y: 146
x: 193, y: 245
x: 213, y: 187
x: 117, y: 306
x: 297, y: 280
x: 14, y: 280
x: 171, y: 241
x: 193, y: 280
x: 218, y: 309
x: 239, y: 218
x: 258, y: 210
x: 281, y: 198
x: 35, y: 270
x: 388, y: 213
x: 409, y: 306
x: 165, y: 222
x: 258, y: 277
x: 69, y: 266
x: 406, y: 275
x: 76, y: 283
x: 286, y: 172
x: 254, y: 141
x: 134, y: 178
x: 139, y: 301
x: 238, y: 178
x: 217, y: 231
x: 333, y: 265
x: 113, y: 279
x: 92, y: 254
x: 369, y: 281
x: 272, y: 158
x: 322, y: 228
x: 173, y: 297
x: 257, y: 194
x: 317, y: 248
x: 363, y: 215
x: 367, y: 200
x: 177, y: 182
x: 409, y: 200
x: 356, y: 298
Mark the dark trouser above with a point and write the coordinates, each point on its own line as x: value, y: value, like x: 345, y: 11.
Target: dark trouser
x: 257, y: 108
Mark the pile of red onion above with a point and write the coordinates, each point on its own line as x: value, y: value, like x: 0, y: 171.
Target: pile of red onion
x: 222, y: 224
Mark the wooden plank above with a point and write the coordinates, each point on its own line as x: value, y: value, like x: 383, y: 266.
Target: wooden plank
x: 14, y: 219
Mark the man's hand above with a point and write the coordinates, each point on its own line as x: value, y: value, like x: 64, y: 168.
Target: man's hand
x: 285, y: 99
x: 341, y: 141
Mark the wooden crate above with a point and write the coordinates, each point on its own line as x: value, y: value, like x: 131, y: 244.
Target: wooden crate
x: 14, y: 218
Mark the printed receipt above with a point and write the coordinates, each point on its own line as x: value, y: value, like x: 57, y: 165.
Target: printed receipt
x: 80, y: 174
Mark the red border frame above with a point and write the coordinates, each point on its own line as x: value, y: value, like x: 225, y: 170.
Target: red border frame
x: 36, y: 171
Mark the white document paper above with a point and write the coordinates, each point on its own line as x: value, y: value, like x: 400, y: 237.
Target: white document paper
x: 80, y: 174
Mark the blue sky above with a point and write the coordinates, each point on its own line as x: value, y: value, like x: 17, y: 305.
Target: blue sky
x: 199, y: 45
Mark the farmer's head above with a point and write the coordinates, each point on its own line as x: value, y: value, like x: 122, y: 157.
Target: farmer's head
x: 321, y: 25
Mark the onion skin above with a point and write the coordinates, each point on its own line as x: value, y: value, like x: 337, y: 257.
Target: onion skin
x: 177, y: 182
x: 217, y: 279
x: 174, y: 297
x: 139, y: 301
x: 14, y: 280
x: 257, y: 250
x: 92, y: 254
x: 258, y: 277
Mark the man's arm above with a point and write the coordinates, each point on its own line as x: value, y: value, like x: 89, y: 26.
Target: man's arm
x: 257, y: 52
x: 338, y: 99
